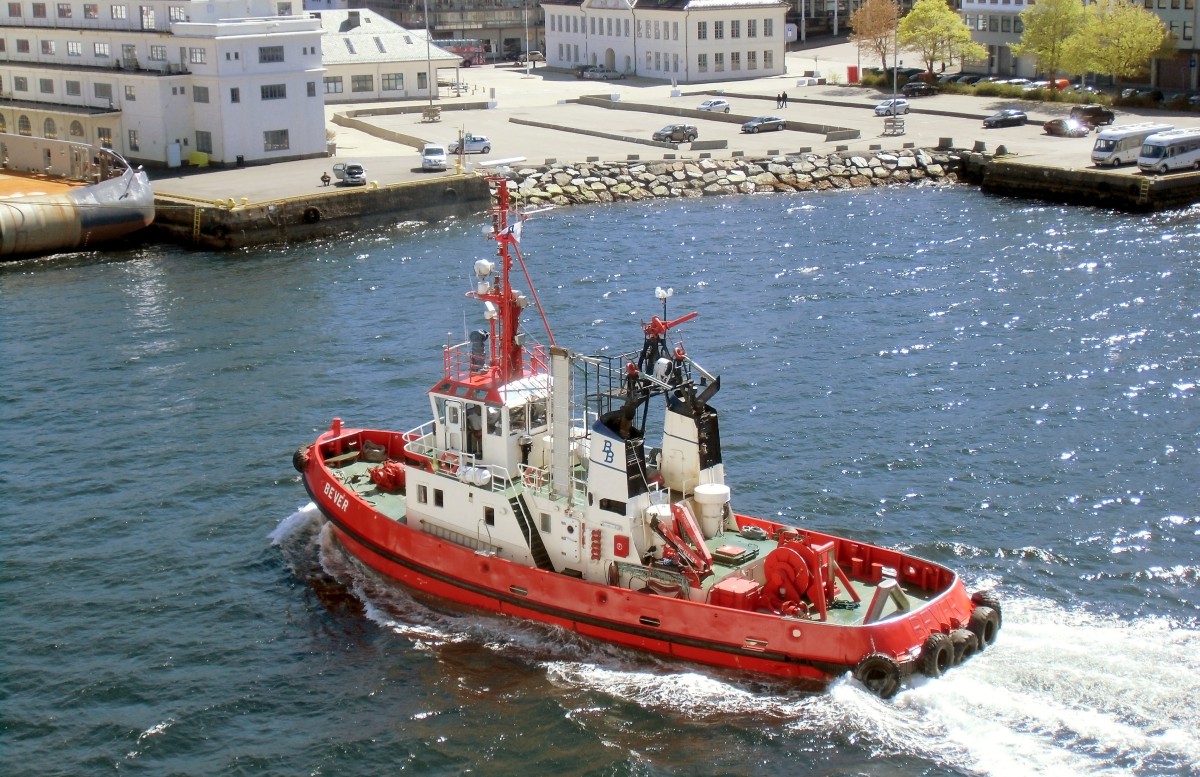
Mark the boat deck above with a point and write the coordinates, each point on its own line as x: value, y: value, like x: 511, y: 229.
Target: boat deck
x: 355, y: 473
x: 19, y: 185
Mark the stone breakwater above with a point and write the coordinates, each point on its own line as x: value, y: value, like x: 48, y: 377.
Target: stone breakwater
x: 595, y: 182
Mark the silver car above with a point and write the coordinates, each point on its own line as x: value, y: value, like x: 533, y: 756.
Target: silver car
x: 471, y: 144
x: 714, y: 106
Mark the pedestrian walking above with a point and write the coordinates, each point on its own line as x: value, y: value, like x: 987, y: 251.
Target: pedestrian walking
x: 778, y: 100
x: 783, y: 100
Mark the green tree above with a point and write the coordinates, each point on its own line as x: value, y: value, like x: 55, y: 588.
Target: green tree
x: 935, y: 32
x: 874, y: 27
x: 1049, y: 26
x: 1120, y: 38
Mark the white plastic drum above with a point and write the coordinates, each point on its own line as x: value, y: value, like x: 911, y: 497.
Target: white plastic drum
x: 712, y: 498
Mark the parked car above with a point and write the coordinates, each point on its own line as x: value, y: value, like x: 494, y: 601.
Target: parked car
x: 471, y: 144
x: 918, y: 89
x: 1093, y: 115
x: 350, y: 173
x: 714, y: 106
x: 969, y: 79
x: 602, y: 73
x: 433, y: 157
x: 676, y: 133
x: 1009, y: 117
x: 581, y: 69
x: 893, y: 106
x: 764, y: 123
x: 532, y: 56
x: 1066, y: 128
x: 950, y: 78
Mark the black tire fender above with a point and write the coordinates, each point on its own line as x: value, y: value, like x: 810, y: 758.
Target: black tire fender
x: 311, y: 215
x: 300, y: 459
x: 965, y: 643
x: 880, y: 674
x: 937, y: 655
x: 984, y: 624
x: 990, y: 598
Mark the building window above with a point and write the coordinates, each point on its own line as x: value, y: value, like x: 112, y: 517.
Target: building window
x: 129, y: 93
x: 46, y: 85
x: 768, y: 60
x: 735, y: 29
x: 197, y: 56
x: 674, y: 30
x: 274, y: 91
x: 158, y: 53
x: 392, y: 82
x: 719, y: 62
x: 365, y: 83
x: 22, y: 46
x: 39, y: 10
x: 14, y: 10
x: 24, y: 127
x: 235, y: 95
x: 48, y: 47
x: 719, y: 30
x: 1187, y: 30
x: 768, y: 28
x: 275, y: 140
x: 270, y: 54
x: 752, y: 60
x: 701, y: 30
x: 735, y: 60
x: 91, y: 11
x: 176, y: 13
x: 283, y: 9
x: 422, y: 81
x: 702, y: 63
x: 147, y: 16
x: 101, y: 50
x: 64, y: 10
x: 204, y: 141
x: 76, y: 129
x: 657, y: 30
x: 104, y: 135
x: 751, y: 28
x: 311, y: 88
x: 20, y: 84
x: 1006, y: 24
x: 49, y: 129
x: 333, y: 84
x: 133, y: 140
x: 117, y: 11
x: 73, y: 88
x: 102, y: 91
x: 199, y: 94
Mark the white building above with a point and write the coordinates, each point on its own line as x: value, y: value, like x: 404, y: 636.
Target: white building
x: 999, y: 26
x: 167, y: 81
x: 685, y: 41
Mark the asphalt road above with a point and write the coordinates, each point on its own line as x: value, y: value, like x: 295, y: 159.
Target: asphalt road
x: 542, y: 95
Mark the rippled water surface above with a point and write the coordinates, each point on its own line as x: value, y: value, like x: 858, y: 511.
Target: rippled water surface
x: 1004, y: 387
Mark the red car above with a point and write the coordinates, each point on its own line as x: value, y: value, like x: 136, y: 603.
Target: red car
x: 1067, y: 128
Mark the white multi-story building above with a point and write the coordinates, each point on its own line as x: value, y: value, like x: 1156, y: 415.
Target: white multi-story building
x: 162, y: 81
x: 997, y: 25
x: 685, y: 41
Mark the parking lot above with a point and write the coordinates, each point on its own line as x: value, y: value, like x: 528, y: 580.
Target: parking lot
x: 546, y: 97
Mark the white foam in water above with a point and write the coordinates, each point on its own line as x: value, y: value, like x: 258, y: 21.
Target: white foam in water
x: 293, y: 523
x: 1062, y: 693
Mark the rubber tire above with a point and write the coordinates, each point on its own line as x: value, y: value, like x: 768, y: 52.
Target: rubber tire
x: 754, y: 130
x: 781, y: 128
x: 966, y: 644
x: 300, y: 459
x: 880, y: 674
x: 985, y: 625
x: 991, y: 598
x: 727, y: 110
x: 487, y: 150
x: 937, y: 655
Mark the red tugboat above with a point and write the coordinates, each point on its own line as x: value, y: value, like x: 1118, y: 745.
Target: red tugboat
x: 548, y: 487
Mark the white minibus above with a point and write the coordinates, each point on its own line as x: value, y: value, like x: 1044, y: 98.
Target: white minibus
x: 1173, y: 150
x: 1121, y: 145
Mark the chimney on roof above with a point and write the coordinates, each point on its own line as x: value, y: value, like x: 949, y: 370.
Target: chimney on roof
x: 352, y: 20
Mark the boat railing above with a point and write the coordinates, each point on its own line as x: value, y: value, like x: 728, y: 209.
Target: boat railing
x: 421, y: 442
x: 462, y: 361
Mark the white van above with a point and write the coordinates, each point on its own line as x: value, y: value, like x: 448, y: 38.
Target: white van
x: 1121, y: 145
x: 1173, y: 150
x: 433, y: 157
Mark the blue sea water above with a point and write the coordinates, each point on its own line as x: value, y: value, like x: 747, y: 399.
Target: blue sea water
x: 1005, y: 387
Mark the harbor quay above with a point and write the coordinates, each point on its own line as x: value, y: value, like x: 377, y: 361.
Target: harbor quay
x: 537, y: 119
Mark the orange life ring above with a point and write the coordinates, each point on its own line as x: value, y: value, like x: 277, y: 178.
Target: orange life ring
x: 532, y: 477
x: 450, y: 462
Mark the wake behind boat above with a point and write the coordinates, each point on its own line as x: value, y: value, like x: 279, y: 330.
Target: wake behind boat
x: 590, y: 493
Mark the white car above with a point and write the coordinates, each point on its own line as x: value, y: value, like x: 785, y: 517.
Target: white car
x: 472, y: 144
x: 892, y: 107
x: 433, y: 157
x: 714, y: 106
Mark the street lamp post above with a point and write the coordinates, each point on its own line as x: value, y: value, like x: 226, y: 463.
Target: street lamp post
x: 428, y: 56
x: 528, y: 62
